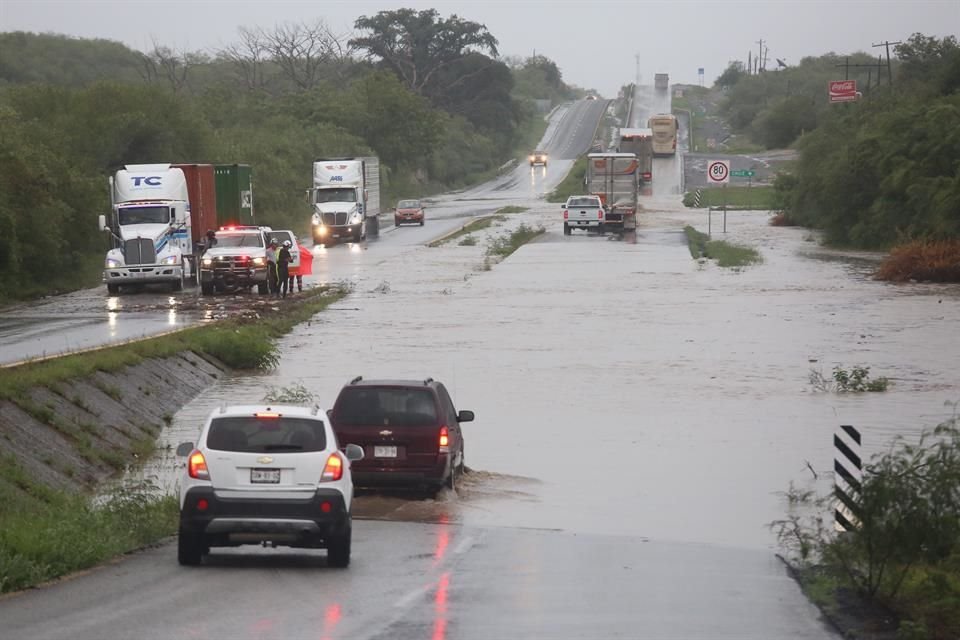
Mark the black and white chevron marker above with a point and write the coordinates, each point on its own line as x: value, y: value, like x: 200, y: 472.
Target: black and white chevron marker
x: 848, y: 468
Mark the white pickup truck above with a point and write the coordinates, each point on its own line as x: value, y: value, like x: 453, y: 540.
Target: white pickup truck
x: 582, y: 212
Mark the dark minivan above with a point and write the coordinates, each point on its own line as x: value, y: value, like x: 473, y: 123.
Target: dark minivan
x: 409, y: 431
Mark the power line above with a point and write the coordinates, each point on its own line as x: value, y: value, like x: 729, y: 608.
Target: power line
x: 889, y: 69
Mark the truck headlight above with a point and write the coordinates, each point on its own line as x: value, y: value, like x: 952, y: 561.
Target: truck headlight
x: 207, y: 262
x: 322, y: 231
x: 316, y: 219
x: 259, y: 262
x: 112, y: 263
x: 355, y: 218
x: 169, y: 260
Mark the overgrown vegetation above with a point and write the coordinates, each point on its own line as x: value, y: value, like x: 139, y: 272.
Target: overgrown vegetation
x: 725, y: 253
x: 855, y: 380
x: 922, y: 260
x: 904, y: 555
x: 73, y: 111
x: 47, y: 533
x: 296, y: 393
x: 744, y: 198
x: 504, y: 245
x: 882, y: 172
x: 572, y: 184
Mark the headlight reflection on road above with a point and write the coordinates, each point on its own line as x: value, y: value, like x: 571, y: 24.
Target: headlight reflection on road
x: 112, y: 323
x: 172, y: 317
x: 113, y: 303
x: 355, y: 247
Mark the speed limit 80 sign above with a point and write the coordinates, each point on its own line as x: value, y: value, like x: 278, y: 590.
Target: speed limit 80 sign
x: 718, y: 172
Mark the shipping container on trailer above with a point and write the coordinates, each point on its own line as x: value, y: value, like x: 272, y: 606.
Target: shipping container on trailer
x: 234, y: 194
x: 203, y: 198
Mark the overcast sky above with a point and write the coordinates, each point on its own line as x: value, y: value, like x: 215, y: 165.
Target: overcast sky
x: 593, y: 41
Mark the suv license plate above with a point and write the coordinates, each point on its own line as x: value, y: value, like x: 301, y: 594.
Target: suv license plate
x: 265, y: 476
x: 384, y: 452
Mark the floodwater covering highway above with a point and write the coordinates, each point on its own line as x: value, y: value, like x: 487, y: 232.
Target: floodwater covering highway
x: 637, y: 414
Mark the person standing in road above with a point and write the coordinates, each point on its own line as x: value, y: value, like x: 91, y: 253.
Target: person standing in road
x: 273, y: 282
x: 283, y: 266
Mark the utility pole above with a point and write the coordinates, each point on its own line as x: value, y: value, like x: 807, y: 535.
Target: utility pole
x: 637, y: 57
x: 749, y: 62
x: 889, y: 68
x: 760, y: 56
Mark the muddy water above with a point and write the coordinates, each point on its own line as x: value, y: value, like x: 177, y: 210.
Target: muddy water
x: 624, y: 388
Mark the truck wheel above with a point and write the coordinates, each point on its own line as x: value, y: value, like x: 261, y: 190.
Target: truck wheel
x: 177, y: 285
x: 421, y: 221
x: 359, y: 234
x: 396, y: 222
x: 566, y: 229
x: 338, y: 548
x: 113, y: 289
x: 263, y: 288
x: 206, y: 288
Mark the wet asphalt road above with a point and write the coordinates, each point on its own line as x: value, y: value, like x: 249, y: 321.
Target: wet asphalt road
x: 412, y: 581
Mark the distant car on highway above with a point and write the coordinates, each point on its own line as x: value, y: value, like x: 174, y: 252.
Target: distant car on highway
x: 409, y: 430
x: 591, y: 97
x: 582, y: 212
x: 408, y: 211
x: 538, y: 157
x: 272, y: 475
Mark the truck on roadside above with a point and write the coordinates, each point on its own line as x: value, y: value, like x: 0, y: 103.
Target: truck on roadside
x: 614, y: 178
x: 640, y: 143
x: 665, y: 132
x: 345, y: 198
x: 153, y: 223
x: 661, y: 81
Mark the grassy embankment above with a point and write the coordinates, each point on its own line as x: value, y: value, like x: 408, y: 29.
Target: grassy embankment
x: 726, y: 254
x: 737, y: 198
x: 46, y: 532
x: 572, y: 184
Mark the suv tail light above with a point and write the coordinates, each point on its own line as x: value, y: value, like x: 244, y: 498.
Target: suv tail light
x: 444, y: 440
x: 333, y: 470
x: 566, y: 214
x: 197, y: 466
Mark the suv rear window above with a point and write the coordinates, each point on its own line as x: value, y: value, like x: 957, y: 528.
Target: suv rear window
x: 387, y: 406
x: 262, y: 435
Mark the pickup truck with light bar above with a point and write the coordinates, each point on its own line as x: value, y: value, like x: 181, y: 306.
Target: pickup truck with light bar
x: 238, y: 261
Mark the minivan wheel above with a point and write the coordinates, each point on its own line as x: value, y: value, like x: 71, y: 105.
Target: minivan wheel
x: 190, y: 548
x: 451, y: 482
x: 338, y: 549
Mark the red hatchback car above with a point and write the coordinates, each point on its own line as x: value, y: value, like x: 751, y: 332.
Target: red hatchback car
x: 409, y: 431
x: 408, y: 211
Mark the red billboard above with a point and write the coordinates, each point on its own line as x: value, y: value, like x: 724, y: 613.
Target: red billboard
x: 843, y: 91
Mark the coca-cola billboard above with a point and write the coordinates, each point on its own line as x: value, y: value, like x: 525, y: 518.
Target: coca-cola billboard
x: 843, y: 91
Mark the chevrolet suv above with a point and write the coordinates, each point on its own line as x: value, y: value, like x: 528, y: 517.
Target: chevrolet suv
x: 266, y: 475
x: 238, y: 260
x: 409, y: 431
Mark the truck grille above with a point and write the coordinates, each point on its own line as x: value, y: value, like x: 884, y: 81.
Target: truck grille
x: 139, y: 251
x: 231, y: 263
x: 335, y: 219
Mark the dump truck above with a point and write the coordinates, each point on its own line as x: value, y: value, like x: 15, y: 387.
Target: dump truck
x: 640, y: 143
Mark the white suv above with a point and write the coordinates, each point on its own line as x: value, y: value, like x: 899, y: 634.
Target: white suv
x: 266, y: 475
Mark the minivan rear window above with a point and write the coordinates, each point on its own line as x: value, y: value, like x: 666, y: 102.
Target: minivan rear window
x: 266, y: 435
x: 386, y: 406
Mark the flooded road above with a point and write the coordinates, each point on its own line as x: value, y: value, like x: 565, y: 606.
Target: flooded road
x: 638, y: 414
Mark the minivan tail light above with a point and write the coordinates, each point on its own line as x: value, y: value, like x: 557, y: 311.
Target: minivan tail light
x: 444, y: 440
x: 333, y: 470
x: 197, y: 466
